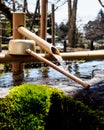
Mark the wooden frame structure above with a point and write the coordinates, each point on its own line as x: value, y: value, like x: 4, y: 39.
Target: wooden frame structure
x: 20, y: 32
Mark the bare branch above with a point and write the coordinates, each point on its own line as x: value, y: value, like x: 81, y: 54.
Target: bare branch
x: 101, y: 3
x: 60, y: 4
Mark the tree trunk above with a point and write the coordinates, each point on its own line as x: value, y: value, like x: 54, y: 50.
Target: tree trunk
x: 14, y: 9
x: 25, y: 6
x: 72, y: 9
x: 92, y: 45
x: 36, y: 14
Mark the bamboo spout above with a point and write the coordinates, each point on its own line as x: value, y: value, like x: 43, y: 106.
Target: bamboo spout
x: 41, y: 42
x: 58, y: 68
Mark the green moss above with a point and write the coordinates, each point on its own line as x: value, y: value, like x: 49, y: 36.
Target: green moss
x: 39, y: 107
x: 26, y: 107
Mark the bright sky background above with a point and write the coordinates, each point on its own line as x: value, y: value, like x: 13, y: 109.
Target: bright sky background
x: 86, y: 10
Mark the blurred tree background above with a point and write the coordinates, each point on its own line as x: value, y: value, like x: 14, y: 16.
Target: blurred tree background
x: 93, y: 31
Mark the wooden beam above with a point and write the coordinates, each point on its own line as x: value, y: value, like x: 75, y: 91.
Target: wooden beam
x: 83, y: 55
x: 7, y: 58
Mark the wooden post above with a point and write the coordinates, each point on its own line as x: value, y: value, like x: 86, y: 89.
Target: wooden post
x: 43, y: 23
x: 18, y: 19
x: 53, y: 25
x: 0, y: 33
x: 17, y: 67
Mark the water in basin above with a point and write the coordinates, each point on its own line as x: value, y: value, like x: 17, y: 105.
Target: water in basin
x: 50, y: 76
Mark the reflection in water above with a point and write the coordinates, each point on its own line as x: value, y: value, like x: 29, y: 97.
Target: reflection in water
x: 76, y: 69
x: 49, y: 76
x: 44, y: 72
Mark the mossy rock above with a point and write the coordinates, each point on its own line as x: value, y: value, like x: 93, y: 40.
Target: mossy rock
x: 26, y: 107
x: 39, y: 107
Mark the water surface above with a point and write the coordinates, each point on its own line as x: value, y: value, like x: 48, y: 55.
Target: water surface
x: 50, y: 76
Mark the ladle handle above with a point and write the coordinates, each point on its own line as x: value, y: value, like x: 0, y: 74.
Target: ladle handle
x: 84, y: 84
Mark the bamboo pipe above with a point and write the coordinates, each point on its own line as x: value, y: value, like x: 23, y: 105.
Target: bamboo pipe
x: 84, y: 84
x: 41, y: 42
x: 86, y: 55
